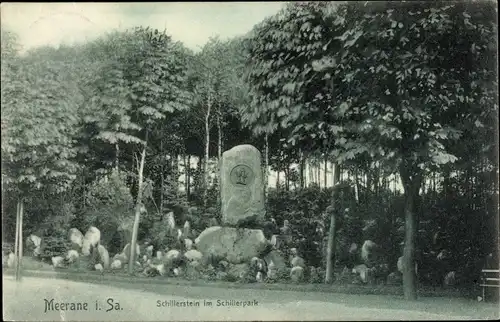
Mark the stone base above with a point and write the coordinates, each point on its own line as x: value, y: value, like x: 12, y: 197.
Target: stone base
x: 236, y: 245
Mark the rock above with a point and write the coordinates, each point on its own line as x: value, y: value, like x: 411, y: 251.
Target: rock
x: 236, y: 245
x: 172, y: 254
x: 297, y: 274
x: 178, y: 271
x: 91, y: 239
x: 195, y: 264
x: 400, y: 264
x: 278, y: 260
x: 150, y: 271
x: 11, y: 260
x: 274, y: 241
x: 188, y: 243
x: 272, y: 273
x: 121, y: 257
x: 298, y: 261
x: 116, y: 264
x: 33, y: 243
x: 369, y: 252
x: 161, y: 269
x: 57, y: 261
x: 242, y: 188
x: 76, y: 237
x: 170, y: 220
x: 223, y: 265
x: 258, y: 264
x: 186, y: 230
x: 239, y: 271
x: 450, y: 279
x: 363, y: 272
x: 72, y: 256
x: 126, y: 251
x: 193, y: 255
x: 173, y: 258
x: 394, y: 278
x: 261, y: 265
x: 103, y: 256
x: 98, y: 267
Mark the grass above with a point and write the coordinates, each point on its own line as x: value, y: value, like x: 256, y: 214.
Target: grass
x: 35, y: 268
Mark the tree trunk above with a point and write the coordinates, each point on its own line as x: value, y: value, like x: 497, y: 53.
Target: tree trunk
x: 368, y: 185
x: 184, y: 159
x: 356, y: 185
x: 175, y: 173
x: 330, y: 250
x: 188, y: 177
x: 326, y: 170
x: 277, y: 179
x: 219, y: 139
x: 266, y: 164
x: 411, y: 185
x: 207, y: 150
x: 319, y: 173
x: 301, y: 170
x: 117, y: 156
x: 18, y: 252
x: 311, y: 172
x: 138, y: 209
x: 446, y: 182
x: 200, y: 174
x: 162, y: 178
x: 376, y: 181
x: 219, y: 156
x: 287, y: 178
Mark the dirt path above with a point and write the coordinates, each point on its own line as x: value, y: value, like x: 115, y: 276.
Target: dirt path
x: 26, y: 301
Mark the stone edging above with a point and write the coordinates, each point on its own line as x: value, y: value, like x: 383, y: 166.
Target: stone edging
x: 322, y: 288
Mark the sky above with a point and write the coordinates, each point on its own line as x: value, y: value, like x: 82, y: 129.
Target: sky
x: 193, y: 23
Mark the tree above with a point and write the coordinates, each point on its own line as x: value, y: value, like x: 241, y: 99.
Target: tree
x: 384, y: 83
x: 404, y: 104
x: 143, y: 83
x: 218, y: 92
x: 39, y: 126
x: 285, y: 90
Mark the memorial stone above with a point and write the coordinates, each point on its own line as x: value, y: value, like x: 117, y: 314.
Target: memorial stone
x: 242, y: 188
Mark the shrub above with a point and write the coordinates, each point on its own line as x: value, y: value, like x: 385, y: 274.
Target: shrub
x: 52, y: 246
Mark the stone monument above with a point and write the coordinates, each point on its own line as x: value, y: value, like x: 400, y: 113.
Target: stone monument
x: 242, y: 188
x: 242, y: 196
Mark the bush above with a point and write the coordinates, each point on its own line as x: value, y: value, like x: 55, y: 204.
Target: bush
x: 109, y: 204
x: 54, y: 246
